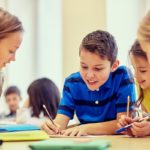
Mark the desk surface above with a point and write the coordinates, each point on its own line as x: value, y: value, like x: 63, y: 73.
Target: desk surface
x: 117, y: 143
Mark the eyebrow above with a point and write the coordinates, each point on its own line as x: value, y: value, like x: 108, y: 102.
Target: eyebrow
x: 98, y: 65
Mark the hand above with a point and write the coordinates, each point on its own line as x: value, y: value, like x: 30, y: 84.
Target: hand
x: 75, y: 131
x: 141, y: 129
x: 50, y: 128
x: 123, y: 121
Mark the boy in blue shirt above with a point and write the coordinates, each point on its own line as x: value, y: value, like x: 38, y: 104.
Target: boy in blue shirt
x: 98, y: 93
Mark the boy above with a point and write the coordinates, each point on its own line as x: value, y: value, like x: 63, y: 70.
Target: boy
x: 13, y: 97
x: 98, y: 93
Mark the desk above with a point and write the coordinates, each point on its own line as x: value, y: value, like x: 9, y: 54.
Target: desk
x: 117, y: 143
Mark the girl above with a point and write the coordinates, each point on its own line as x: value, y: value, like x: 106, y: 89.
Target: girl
x: 43, y: 91
x: 10, y: 39
x: 141, y: 67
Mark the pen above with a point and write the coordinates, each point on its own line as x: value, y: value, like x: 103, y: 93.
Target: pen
x: 49, y: 115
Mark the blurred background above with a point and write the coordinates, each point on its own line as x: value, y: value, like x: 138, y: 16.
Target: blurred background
x: 54, y: 30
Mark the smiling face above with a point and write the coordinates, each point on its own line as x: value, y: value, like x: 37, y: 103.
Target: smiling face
x: 141, y: 70
x: 8, y: 47
x: 94, y: 70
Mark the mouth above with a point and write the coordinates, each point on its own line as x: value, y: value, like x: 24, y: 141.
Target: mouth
x: 91, y: 82
x: 142, y: 82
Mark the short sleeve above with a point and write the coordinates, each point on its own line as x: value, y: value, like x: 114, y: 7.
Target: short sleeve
x: 67, y: 104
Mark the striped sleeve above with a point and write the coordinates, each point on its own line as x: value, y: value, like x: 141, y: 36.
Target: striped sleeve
x: 67, y: 105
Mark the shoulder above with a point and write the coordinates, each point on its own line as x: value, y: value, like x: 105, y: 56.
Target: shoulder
x: 123, y: 71
x: 74, y: 77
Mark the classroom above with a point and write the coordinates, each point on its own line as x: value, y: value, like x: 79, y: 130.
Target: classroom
x: 85, y: 81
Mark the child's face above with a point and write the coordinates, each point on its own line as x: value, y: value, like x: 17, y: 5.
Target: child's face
x: 13, y: 101
x: 93, y: 69
x: 142, y: 71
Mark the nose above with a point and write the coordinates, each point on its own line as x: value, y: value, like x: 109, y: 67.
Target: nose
x: 13, y: 57
x: 90, y: 74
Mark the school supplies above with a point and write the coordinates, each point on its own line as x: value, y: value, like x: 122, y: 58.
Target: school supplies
x: 24, y: 136
x: 18, y: 127
x: 71, y: 144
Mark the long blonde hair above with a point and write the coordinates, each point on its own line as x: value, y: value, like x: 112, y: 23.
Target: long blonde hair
x: 144, y: 29
x: 9, y: 24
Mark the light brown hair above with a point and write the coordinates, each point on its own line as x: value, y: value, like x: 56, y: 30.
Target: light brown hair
x: 9, y: 24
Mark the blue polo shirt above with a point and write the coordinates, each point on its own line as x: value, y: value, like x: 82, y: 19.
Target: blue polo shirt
x: 99, y: 105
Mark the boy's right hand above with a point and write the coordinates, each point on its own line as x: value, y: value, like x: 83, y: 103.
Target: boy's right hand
x: 50, y: 128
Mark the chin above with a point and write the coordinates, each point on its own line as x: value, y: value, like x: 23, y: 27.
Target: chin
x: 92, y: 88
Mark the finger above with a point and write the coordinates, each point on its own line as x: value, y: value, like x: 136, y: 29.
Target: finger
x: 47, y: 130
x: 139, y: 124
x: 55, y: 128
x: 67, y: 132
x: 74, y: 132
x: 80, y: 133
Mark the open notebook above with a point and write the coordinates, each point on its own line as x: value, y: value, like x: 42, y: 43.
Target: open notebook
x: 71, y: 144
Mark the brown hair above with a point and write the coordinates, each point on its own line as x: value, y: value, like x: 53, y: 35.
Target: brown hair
x: 136, y: 50
x: 101, y: 43
x: 144, y: 28
x: 12, y: 90
x: 43, y: 91
x: 9, y: 24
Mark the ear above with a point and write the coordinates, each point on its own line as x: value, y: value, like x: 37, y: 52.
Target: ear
x: 115, y: 65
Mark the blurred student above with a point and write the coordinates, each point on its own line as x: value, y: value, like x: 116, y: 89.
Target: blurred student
x: 11, y: 30
x: 13, y: 97
x: 43, y: 91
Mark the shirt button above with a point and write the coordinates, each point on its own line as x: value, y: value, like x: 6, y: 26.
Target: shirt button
x: 96, y: 102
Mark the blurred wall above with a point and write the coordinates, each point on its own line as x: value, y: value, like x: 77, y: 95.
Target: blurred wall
x: 79, y: 18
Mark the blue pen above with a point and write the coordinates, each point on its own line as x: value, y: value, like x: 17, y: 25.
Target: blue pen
x: 123, y: 128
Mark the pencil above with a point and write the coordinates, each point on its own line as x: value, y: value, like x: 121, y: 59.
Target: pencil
x: 128, y: 105
x: 49, y: 115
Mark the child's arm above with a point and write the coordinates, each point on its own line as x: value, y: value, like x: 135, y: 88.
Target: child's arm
x: 107, y: 127
x: 60, y: 121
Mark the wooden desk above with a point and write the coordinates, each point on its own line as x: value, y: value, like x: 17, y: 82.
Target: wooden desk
x: 117, y: 143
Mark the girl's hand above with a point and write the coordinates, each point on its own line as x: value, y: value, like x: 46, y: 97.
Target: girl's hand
x: 140, y: 129
x: 123, y: 121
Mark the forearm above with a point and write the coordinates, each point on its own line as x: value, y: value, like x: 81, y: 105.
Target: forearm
x: 62, y: 120
x: 108, y: 127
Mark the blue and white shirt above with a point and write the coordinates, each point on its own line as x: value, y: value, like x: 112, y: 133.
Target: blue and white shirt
x: 100, y: 105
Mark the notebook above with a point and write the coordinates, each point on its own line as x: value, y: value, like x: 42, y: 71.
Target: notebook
x: 71, y: 144
x: 18, y: 127
x: 24, y: 136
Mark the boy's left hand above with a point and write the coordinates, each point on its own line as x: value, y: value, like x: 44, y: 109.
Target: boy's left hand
x: 75, y: 131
